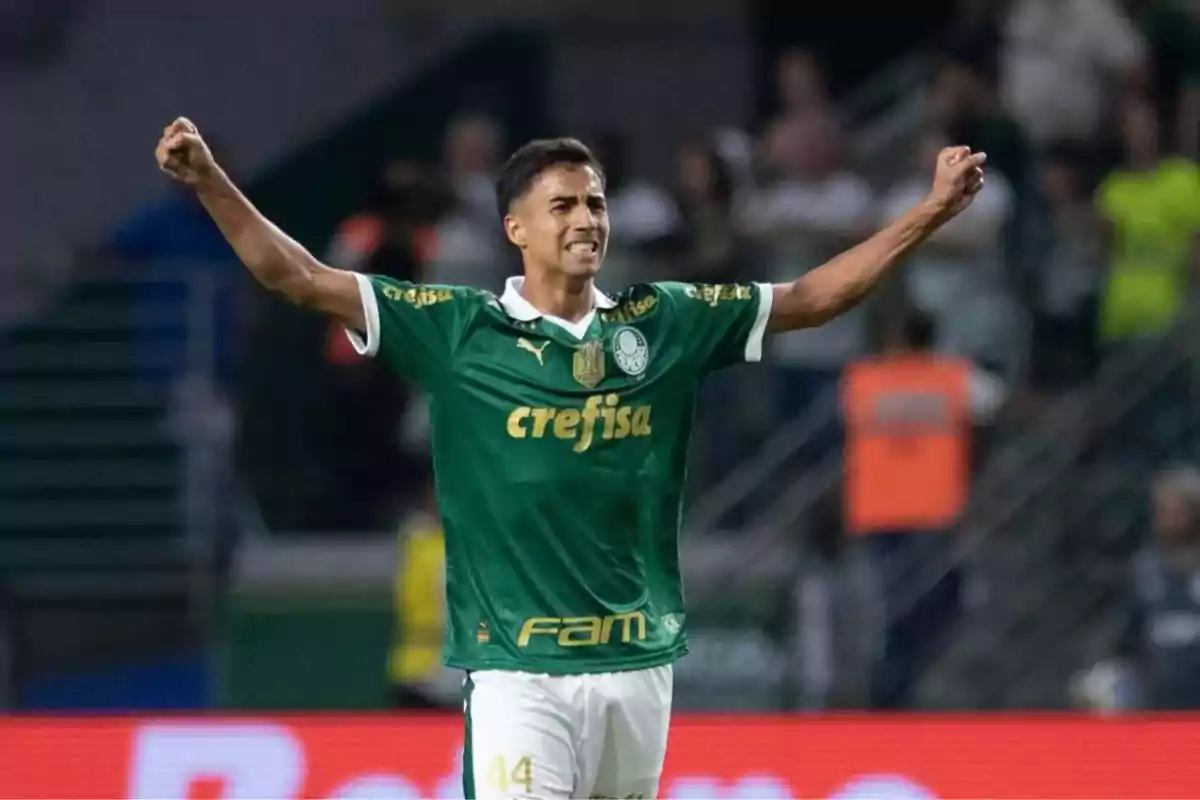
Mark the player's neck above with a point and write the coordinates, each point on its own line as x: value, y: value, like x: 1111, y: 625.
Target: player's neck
x: 558, y: 295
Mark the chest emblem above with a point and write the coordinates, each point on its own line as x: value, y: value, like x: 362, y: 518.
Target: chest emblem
x: 588, y: 364
x: 630, y: 351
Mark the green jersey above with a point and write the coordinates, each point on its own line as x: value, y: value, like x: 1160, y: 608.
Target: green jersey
x: 560, y: 455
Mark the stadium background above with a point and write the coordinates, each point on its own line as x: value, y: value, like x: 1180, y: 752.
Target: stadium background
x: 208, y: 504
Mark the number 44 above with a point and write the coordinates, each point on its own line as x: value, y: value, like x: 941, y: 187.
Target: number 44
x: 499, y: 777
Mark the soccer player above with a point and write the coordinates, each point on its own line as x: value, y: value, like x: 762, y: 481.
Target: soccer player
x: 561, y: 420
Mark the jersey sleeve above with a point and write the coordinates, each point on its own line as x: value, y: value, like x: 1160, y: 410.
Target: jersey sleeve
x: 415, y: 327
x: 718, y: 325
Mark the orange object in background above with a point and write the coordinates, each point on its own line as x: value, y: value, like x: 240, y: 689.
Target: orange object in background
x: 908, y: 430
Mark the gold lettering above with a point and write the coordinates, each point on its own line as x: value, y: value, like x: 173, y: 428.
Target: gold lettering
x: 541, y: 418
x: 602, y: 416
x: 537, y: 626
x: 585, y: 631
x: 610, y: 415
x: 591, y: 411
x: 580, y: 632
x: 565, y: 422
x: 714, y: 294
x: 417, y: 296
x: 628, y: 621
x: 518, y: 416
x: 630, y: 310
x: 623, y: 424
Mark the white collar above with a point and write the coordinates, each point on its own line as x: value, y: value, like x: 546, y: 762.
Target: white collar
x: 521, y: 309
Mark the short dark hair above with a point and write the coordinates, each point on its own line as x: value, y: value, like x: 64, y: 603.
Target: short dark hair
x: 534, y: 158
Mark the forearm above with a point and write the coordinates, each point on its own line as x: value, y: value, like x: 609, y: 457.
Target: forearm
x: 275, y: 260
x: 841, y: 283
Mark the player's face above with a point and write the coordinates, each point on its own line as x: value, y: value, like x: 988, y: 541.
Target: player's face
x: 562, y: 221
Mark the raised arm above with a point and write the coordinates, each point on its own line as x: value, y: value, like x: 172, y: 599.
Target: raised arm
x: 839, y: 284
x: 276, y: 260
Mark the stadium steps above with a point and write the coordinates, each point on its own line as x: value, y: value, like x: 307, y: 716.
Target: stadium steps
x: 1057, y: 569
x: 85, y: 455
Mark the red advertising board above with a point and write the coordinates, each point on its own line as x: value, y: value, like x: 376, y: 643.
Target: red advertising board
x: 849, y: 758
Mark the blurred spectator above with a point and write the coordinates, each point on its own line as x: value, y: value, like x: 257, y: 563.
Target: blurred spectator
x: 800, y: 87
x: 1064, y: 325
x: 707, y: 246
x: 352, y: 467
x: 470, y: 156
x: 178, y: 232
x: 415, y: 667
x: 405, y: 204
x: 1062, y: 63
x: 1172, y: 30
x: 469, y: 248
x: 1151, y: 204
x: 976, y: 29
x: 957, y: 274
x: 811, y: 209
x: 1162, y: 634
x: 909, y: 416
x: 640, y: 214
x: 964, y: 101
x: 176, y: 228
x: 394, y: 236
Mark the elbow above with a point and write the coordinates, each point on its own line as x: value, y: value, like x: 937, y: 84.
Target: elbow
x: 819, y: 301
x: 290, y: 280
x: 805, y: 304
x: 297, y: 287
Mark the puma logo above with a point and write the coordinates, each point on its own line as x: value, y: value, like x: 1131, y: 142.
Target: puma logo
x: 526, y: 345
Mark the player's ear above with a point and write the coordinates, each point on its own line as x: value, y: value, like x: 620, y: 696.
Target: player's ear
x: 514, y: 230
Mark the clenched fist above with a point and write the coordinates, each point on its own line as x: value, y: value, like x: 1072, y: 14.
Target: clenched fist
x: 182, y: 153
x: 957, y: 179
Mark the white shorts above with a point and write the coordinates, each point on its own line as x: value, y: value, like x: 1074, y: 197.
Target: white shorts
x: 566, y: 736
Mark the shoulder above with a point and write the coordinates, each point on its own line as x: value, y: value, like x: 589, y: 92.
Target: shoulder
x: 705, y: 292
x: 636, y: 302
x: 427, y: 295
x: 644, y: 300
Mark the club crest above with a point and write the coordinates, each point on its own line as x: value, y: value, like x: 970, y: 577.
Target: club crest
x: 631, y: 351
